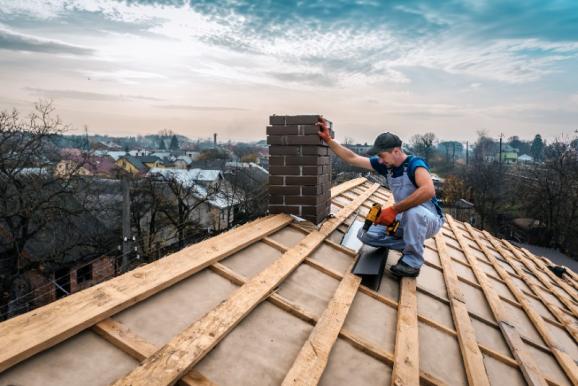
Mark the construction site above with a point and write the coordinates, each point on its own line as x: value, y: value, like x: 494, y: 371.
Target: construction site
x: 275, y: 301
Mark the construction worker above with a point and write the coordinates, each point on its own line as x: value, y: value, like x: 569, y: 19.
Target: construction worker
x: 415, y: 207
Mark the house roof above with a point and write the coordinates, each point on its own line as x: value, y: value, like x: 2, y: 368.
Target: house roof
x: 274, y: 300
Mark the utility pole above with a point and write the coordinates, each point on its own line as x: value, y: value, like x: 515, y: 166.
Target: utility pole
x: 126, y: 231
x: 501, y: 135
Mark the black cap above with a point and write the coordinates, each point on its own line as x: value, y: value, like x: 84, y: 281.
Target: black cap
x: 384, y: 142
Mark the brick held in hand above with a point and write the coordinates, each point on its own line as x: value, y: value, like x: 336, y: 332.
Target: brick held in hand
x: 293, y: 130
x: 277, y: 119
x: 302, y: 119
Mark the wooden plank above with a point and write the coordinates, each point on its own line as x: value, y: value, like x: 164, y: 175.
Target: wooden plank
x: 313, y: 356
x: 541, y: 275
x: 567, y: 322
x: 472, y: 356
x: 358, y: 342
x: 570, y: 290
x: 337, y: 190
x: 563, y: 358
x: 406, y: 353
x: 35, y: 331
x: 140, y: 349
x: 186, y: 349
x: 530, y: 370
x: 565, y: 361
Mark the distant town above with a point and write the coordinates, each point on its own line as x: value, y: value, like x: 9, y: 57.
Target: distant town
x: 79, y: 209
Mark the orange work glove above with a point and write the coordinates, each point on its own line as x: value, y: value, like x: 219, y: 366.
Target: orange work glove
x: 387, y: 216
x: 324, y: 131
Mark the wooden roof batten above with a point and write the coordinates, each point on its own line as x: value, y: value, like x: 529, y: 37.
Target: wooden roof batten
x: 164, y: 368
x: 176, y: 360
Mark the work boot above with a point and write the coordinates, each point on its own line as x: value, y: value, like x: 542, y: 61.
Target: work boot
x: 401, y: 269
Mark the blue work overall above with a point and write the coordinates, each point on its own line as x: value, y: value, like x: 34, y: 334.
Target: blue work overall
x: 416, y: 224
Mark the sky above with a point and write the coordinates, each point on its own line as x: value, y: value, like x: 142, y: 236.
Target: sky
x: 201, y: 67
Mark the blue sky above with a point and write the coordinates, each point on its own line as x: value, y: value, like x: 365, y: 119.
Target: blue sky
x: 453, y: 67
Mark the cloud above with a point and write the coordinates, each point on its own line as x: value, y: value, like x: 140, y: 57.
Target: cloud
x: 14, y: 41
x: 86, y: 95
x: 201, y: 108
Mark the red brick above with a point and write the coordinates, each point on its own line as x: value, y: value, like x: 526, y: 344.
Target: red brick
x: 277, y: 160
x: 276, y: 199
x: 274, y: 209
x: 314, y: 189
x: 314, y: 210
x: 285, y: 170
x: 283, y: 130
x: 308, y: 180
x: 305, y: 200
x: 313, y: 150
x: 277, y: 120
x: 311, y: 170
x: 306, y: 160
x: 284, y: 140
x: 276, y: 180
x: 284, y: 150
x: 285, y: 190
x: 301, y: 119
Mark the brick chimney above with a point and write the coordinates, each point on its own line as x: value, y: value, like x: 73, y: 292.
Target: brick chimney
x: 299, y: 168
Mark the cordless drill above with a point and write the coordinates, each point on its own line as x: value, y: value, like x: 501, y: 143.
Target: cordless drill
x: 373, y: 215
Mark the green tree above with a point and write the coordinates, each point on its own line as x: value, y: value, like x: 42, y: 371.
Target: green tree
x: 174, y: 145
x: 162, y: 145
x: 537, y: 148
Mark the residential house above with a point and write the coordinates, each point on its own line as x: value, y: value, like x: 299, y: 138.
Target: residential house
x: 509, y: 154
x: 182, y: 162
x: 89, y: 166
x: 139, y: 165
x: 525, y: 159
x: 218, y: 207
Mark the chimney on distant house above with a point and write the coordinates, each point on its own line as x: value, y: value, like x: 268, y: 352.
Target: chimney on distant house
x: 215, y: 140
x: 299, y: 168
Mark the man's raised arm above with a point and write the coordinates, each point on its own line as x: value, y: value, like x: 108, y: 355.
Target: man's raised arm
x: 341, y: 151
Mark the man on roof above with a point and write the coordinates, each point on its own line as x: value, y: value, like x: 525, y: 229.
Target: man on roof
x: 416, y: 206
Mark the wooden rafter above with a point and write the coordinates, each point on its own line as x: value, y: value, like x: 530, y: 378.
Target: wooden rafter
x: 563, y: 359
x: 28, y: 334
x: 192, y: 344
x: 360, y: 343
x: 140, y: 349
x: 527, y: 364
x: 313, y: 356
x: 406, y: 355
x: 471, y: 354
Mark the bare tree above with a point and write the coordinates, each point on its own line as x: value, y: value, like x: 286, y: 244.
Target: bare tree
x: 423, y: 145
x: 33, y: 201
